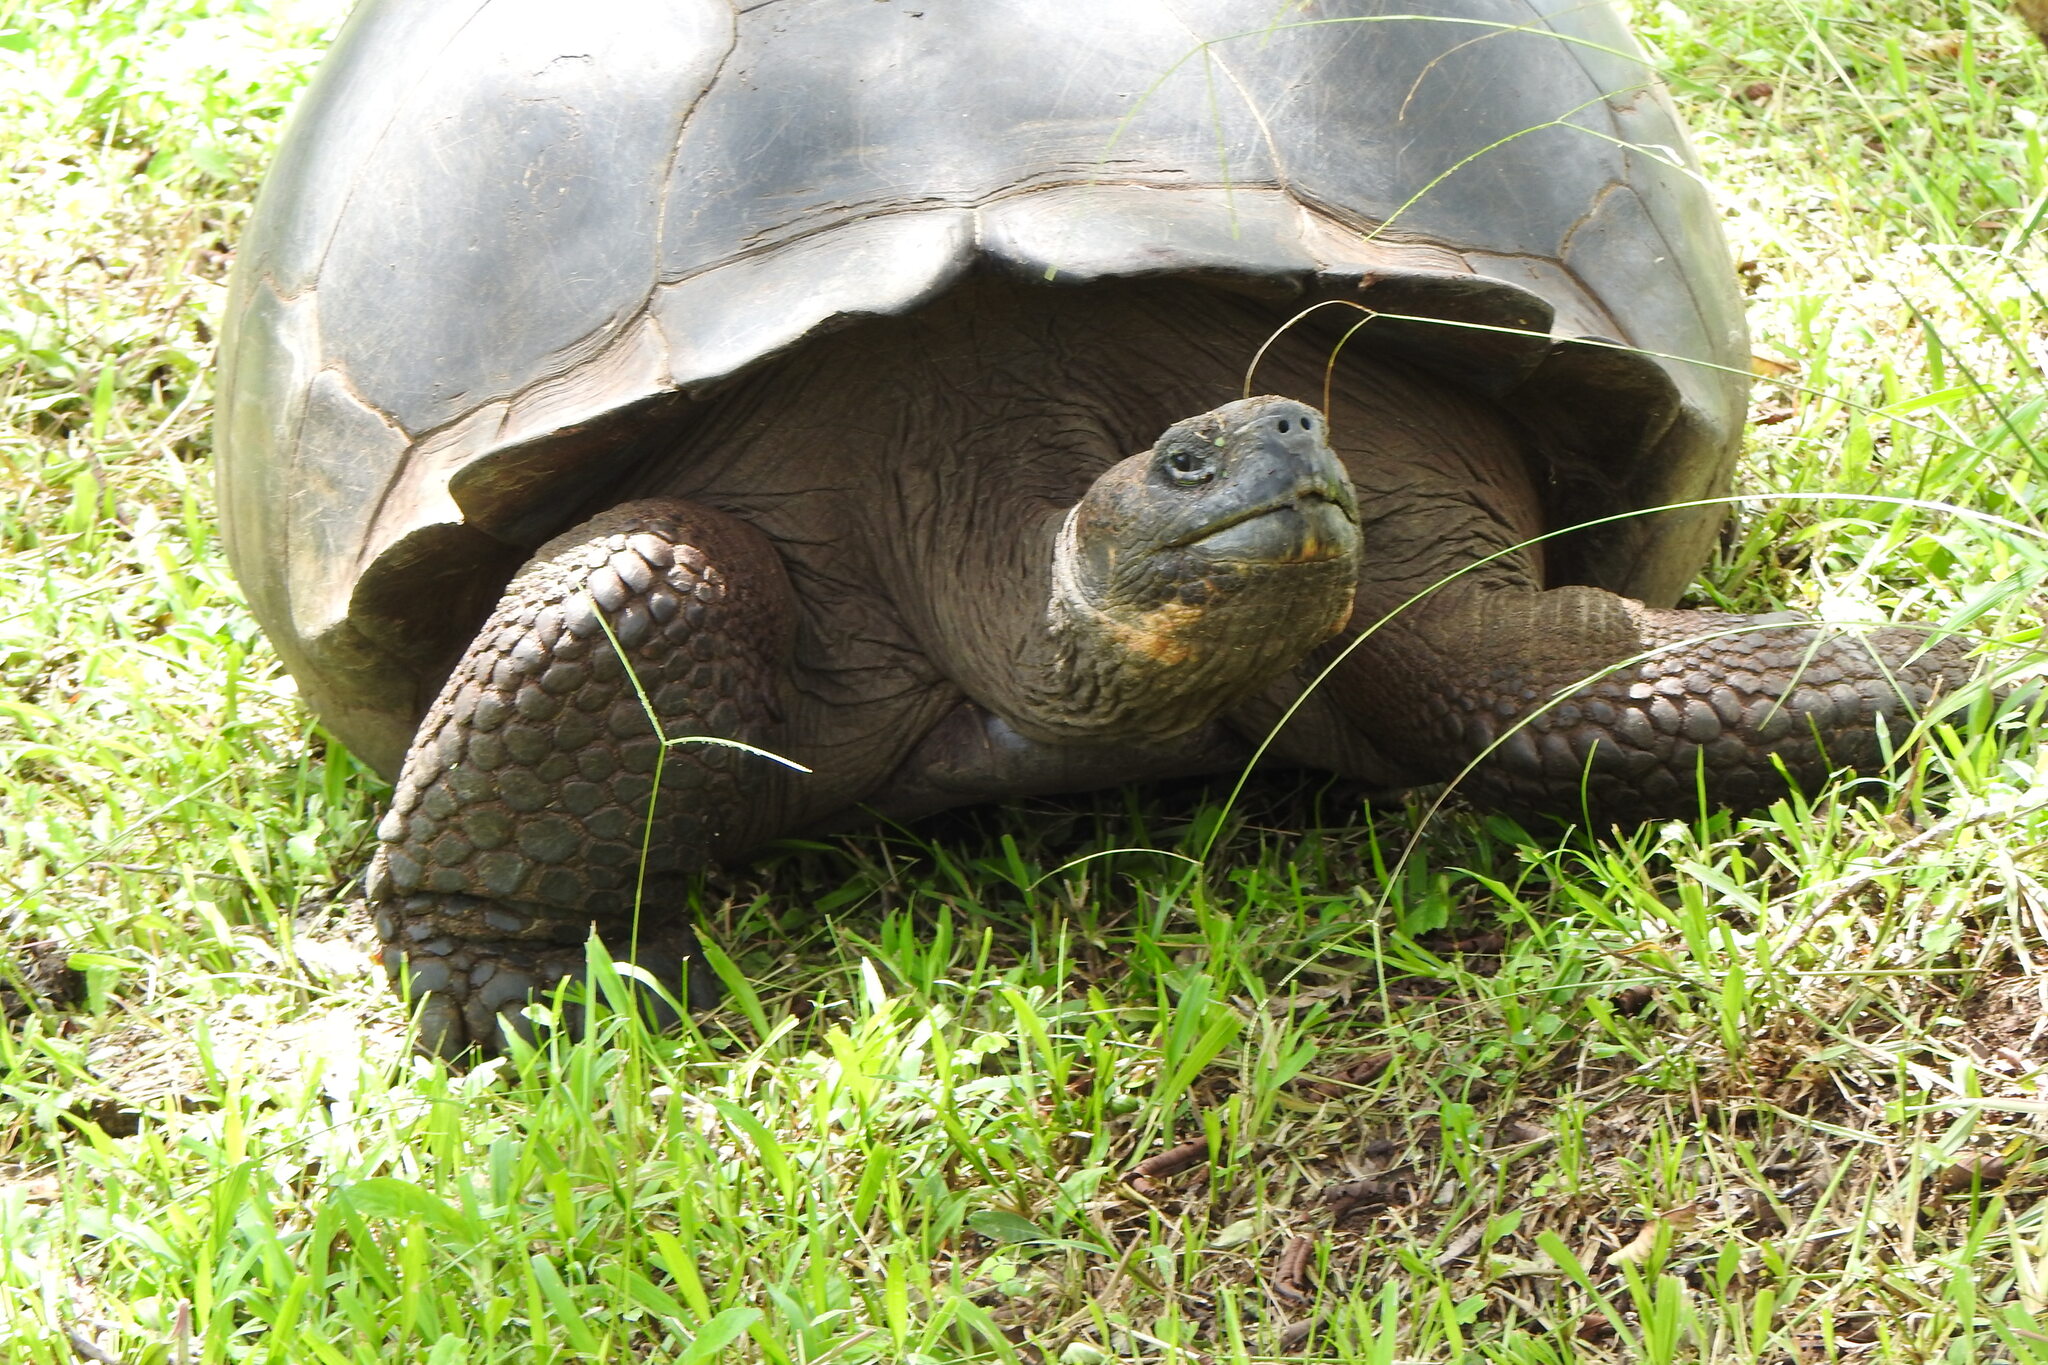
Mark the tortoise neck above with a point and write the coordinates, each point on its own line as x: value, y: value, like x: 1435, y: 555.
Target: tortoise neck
x: 1106, y: 676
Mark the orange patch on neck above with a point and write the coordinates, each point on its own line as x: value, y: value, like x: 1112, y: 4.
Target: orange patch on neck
x: 1156, y: 634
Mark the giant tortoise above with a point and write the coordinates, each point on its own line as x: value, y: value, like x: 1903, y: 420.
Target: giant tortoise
x: 863, y: 381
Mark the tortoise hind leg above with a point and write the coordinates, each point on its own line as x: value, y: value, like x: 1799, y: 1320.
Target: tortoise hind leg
x: 521, y: 822
x: 1578, y: 700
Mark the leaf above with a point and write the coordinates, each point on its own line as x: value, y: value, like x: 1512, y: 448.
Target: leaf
x: 569, y: 1319
x: 649, y: 1296
x: 764, y: 1144
x: 386, y: 1196
x: 1237, y: 1234
x: 718, y: 1334
x: 1644, y: 1242
x: 1000, y: 1225
x: 80, y: 961
x: 213, y: 159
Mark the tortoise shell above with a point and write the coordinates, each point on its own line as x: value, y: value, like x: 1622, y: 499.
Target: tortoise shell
x: 509, y: 248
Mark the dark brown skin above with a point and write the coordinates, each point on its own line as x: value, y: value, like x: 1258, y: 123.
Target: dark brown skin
x: 923, y: 564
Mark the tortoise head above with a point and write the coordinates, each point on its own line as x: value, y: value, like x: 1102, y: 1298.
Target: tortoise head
x: 1196, y: 573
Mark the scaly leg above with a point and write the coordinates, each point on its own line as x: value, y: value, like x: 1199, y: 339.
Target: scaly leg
x: 521, y: 822
x: 1720, y: 701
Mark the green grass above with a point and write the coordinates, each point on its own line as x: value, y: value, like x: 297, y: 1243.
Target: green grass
x: 1743, y: 1090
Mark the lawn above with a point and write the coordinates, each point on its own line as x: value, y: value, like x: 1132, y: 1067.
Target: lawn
x: 1163, y: 1076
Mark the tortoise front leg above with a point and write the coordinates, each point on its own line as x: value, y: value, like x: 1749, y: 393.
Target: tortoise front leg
x: 521, y: 822
x: 1503, y: 672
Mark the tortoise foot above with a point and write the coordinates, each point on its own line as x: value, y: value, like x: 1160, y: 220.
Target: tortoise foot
x: 1578, y: 703
x: 470, y: 966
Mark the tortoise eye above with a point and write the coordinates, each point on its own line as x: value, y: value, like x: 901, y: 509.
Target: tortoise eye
x: 1189, y: 468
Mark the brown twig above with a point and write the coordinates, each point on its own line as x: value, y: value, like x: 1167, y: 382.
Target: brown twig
x: 85, y: 1350
x: 1173, y: 1160
x: 1290, y: 1277
x: 1363, y: 1071
x: 1352, y: 1195
x: 1295, y: 1335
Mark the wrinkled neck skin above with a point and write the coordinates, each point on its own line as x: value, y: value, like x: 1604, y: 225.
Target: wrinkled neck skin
x: 1116, y: 674
x: 1113, y: 674
x: 1031, y: 643
x: 922, y: 475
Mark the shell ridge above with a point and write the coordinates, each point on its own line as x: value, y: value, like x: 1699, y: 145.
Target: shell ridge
x: 428, y: 71
x: 286, y: 529
x: 657, y: 245
x: 1586, y: 219
x: 1636, y: 91
x: 347, y: 430
x: 1213, y: 59
x: 363, y: 552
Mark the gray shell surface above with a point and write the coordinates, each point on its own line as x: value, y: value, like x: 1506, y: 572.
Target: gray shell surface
x: 500, y: 233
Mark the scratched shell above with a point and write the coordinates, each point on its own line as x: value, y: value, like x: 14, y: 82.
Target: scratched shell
x: 507, y: 244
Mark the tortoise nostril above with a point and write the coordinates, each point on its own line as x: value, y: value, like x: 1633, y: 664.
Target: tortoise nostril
x: 1283, y: 424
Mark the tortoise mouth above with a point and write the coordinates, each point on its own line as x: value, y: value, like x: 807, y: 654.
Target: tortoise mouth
x: 1309, y: 527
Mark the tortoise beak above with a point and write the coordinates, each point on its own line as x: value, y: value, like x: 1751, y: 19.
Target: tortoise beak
x: 1284, y: 497
x: 1306, y: 529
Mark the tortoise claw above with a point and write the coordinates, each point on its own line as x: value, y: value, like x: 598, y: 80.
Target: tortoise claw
x: 440, y: 1029
x: 471, y: 992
